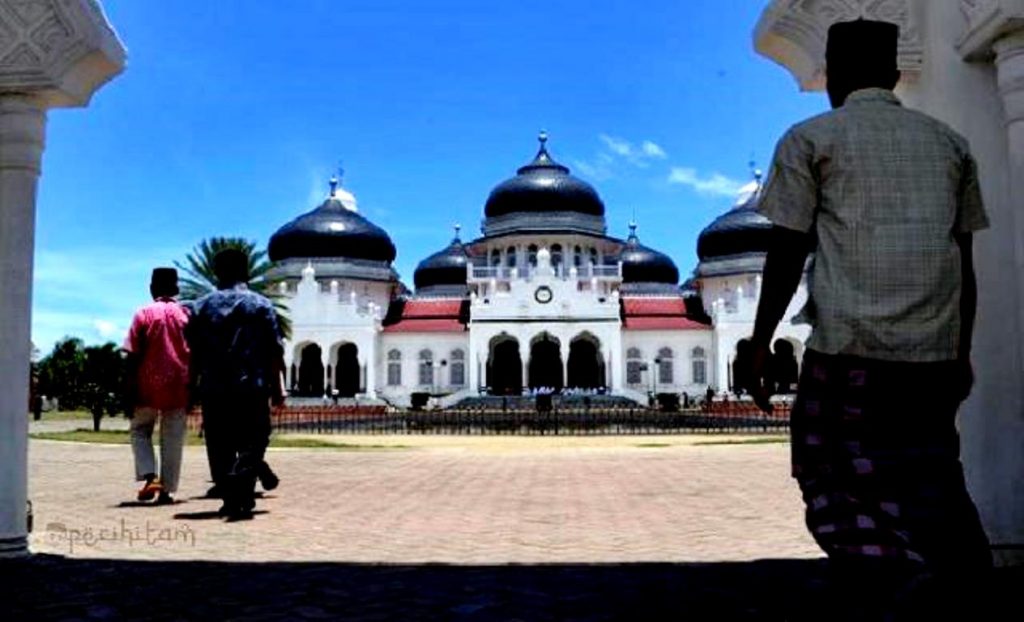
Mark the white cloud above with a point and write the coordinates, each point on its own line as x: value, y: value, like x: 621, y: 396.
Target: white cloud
x: 715, y: 184
x: 618, y: 146
x: 617, y: 150
x: 107, y: 329
x: 653, y: 150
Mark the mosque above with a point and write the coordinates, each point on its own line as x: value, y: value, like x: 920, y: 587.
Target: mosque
x: 544, y: 300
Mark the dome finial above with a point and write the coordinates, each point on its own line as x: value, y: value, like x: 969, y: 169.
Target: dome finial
x: 756, y: 172
x: 334, y: 186
x: 632, y: 231
x: 543, y: 138
x: 457, y: 228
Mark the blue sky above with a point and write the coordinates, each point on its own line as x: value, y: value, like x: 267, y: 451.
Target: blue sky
x: 232, y: 115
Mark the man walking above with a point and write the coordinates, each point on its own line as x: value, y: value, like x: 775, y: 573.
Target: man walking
x: 236, y: 351
x: 887, y: 198
x: 158, y: 381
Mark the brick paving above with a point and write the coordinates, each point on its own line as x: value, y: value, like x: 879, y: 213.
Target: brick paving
x: 448, y: 529
x: 477, y: 501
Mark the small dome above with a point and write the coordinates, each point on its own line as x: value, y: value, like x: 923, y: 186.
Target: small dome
x: 334, y: 229
x: 641, y: 264
x: 446, y: 267
x: 543, y: 186
x: 741, y: 230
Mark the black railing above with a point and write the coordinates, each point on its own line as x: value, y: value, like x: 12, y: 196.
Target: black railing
x: 737, y: 417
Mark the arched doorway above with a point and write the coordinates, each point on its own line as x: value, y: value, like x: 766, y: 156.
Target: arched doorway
x: 586, y: 366
x: 783, y: 370
x: 505, y: 367
x: 311, y: 372
x: 346, y: 371
x: 545, y: 369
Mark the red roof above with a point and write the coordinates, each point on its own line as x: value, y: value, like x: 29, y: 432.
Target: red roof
x: 657, y: 314
x: 653, y: 306
x: 435, y: 325
x: 662, y: 323
x: 432, y: 308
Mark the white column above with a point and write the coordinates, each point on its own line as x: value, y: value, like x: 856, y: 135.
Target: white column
x: 22, y: 129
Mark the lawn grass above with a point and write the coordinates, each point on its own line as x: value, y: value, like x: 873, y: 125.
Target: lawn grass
x: 66, y: 415
x: 764, y: 440
x: 121, y: 437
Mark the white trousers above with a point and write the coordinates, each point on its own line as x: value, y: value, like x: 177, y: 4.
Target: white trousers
x: 172, y: 440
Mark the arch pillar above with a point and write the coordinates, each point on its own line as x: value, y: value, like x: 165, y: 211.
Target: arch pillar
x: 63, y: 72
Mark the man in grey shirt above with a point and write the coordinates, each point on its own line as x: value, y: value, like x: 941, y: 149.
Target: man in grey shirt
x: 887, y: 199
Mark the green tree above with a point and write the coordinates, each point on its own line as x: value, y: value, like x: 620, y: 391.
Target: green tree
x: 198, y: 278
x: 60, y: 372
x: 102, y: 384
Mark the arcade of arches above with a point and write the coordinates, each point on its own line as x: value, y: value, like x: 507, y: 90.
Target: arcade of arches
x: 311, y: 379
x: 582, y: 367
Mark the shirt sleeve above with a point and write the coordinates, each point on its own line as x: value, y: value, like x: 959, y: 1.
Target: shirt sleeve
x: 790, y: 196
x: 135, y: 340
x: 970, y: 210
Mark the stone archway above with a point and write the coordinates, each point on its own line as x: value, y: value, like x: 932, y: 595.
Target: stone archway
x: 505, y: 367
x: 347, y: 371
x: 311, y: 372
x: 586, y: 365
x: 545, y: 368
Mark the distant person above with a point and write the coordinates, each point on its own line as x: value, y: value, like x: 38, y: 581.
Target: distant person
x: 237, y: 362
x: 888, y: 199
x: 158, y: 385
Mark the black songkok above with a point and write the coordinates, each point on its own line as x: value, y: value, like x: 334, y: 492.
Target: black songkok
x: 164, y: 280
x: 862, y: 46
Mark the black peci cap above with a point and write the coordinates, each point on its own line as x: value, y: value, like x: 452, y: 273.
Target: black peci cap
x: 863, y: 45
x: 164, y: 280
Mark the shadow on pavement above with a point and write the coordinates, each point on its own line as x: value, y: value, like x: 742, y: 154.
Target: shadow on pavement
x: 46, y: 587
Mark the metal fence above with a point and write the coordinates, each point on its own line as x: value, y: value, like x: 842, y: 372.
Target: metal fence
x: 720, y: 418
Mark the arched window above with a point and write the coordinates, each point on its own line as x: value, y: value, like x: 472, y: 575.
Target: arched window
x: 426, y: 375
x: 394, y: 368
x: 531, y: 255
x: 495, y: 257
x: 458, y: 368
x: 665, y: 367
x: 577, y: 256
x: 593, y: 256
x: 634, y: 367
x: 510, y: 257
x: 698, y: 360
x: 556, y: 256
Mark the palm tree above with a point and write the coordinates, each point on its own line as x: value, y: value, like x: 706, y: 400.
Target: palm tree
x: 199, y: 279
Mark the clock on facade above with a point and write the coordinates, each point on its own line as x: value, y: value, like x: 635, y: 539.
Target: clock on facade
x: 543, y: 294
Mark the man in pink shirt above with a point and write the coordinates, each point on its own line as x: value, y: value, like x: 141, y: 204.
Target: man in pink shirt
x: 158, y: 373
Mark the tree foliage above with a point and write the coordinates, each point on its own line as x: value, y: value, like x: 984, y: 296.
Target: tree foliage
x: 82, y: 377
x: 198, y: 278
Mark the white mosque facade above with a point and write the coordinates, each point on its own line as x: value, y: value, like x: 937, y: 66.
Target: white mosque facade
x: 545, y: 300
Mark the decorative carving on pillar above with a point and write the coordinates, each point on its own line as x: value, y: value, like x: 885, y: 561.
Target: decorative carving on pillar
x: 58, y: 50
x: 793, y: 33
x: 987, y: 22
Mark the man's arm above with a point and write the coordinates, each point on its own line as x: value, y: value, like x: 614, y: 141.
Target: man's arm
x: 968, y: 309
x: 783, y: 269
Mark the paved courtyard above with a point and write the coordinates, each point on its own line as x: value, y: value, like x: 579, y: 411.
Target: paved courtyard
x: 430, y: 528
x: 481, y: 500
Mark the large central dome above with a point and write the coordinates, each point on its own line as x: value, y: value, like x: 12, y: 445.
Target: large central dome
x: 333, y: 230
x: 543, y: 186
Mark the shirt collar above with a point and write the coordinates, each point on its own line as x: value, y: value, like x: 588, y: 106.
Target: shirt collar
x: 873, y: 95
x: 164, y: 299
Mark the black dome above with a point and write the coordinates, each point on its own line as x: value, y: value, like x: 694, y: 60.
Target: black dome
x: 446, y: 267
x: 331, y: 230
x: 641, y: 264
x: 543, y: 186
x: 742, y: 230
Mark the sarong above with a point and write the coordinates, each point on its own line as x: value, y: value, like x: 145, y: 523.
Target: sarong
x: 877, y: 455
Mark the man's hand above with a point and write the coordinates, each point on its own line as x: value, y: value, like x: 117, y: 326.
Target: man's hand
x: 277, y: 399
x: 757, y: 365
x: 964, y: 378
